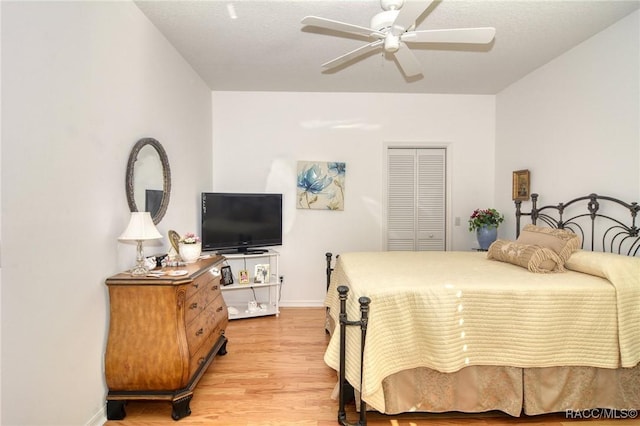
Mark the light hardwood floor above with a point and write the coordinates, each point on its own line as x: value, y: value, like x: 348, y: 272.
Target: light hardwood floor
x: 274, y: 374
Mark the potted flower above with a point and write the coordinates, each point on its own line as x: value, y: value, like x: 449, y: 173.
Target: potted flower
x: 190, y: 247
x: 485, y: 222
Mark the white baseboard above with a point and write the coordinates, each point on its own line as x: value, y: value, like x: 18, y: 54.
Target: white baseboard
x: 302, y: 304
x: 100, y: 418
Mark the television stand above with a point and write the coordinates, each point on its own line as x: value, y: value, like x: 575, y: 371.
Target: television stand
x: 253, y: 297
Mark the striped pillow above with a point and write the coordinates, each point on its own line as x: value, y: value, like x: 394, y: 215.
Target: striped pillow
x: 534, y: 258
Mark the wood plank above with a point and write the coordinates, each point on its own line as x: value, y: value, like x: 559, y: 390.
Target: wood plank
x: 274, y: 374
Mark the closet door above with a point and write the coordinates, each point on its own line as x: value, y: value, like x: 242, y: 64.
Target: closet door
x: 416, y: 199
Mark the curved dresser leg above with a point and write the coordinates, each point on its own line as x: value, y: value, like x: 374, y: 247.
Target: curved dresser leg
x: 223, y: 348
x: 181, y: 407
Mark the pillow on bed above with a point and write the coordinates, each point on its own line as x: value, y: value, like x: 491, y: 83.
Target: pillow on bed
x: 619, y: 269
x: 589, y: 262
x: 532, y: 257
x: 561, y: 241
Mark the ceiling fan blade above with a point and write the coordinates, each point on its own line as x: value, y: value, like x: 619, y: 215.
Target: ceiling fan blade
x: 330, y: 24
x: 409, y: 12
x: 353, y: 54
x: 458, y: 35
x: 408, y: 61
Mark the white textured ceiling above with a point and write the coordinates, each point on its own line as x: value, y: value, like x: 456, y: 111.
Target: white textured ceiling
x: 265, y: 48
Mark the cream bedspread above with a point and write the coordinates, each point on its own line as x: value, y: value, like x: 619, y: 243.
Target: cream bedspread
x: 428, y: 310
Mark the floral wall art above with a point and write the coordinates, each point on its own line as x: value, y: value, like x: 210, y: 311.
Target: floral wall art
x: 320, y: 185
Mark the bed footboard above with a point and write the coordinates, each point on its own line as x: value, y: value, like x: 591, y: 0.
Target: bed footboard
x: 344, y: 323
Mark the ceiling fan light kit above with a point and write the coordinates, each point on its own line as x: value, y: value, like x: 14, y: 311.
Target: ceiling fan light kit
x: 392, y: 28
x: 391, y: 43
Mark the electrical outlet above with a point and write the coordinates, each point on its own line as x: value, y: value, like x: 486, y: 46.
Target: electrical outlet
x: 457, y: 221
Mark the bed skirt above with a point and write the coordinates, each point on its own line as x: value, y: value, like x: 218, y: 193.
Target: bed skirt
x: 514, y: 391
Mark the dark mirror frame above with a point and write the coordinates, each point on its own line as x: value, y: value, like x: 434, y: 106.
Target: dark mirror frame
x: 166, y: 177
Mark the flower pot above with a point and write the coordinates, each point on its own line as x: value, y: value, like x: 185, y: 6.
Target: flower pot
x: 486, y: 235
x: 190, y: 252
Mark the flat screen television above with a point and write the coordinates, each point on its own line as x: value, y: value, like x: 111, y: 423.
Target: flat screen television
x: 240, y: 222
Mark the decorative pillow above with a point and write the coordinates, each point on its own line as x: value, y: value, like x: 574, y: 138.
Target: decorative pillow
x: 561, y: 241
x: 534, y: 258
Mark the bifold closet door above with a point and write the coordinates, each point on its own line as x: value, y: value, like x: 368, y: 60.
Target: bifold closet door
x: 416, y: 199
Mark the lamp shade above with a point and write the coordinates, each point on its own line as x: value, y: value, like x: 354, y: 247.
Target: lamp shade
x: 140, y: 228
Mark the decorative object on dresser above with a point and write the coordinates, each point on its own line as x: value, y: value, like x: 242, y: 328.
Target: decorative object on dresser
x: 190, y: 247
x: 173, y: 256
x: 164, y: 332
x: 139, y: 229
x: 174, y: 239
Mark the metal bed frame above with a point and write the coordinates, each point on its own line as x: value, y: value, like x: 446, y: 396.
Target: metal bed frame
x: 614, y: 237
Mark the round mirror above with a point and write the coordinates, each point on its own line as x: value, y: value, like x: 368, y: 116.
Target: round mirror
x: 148, y: 180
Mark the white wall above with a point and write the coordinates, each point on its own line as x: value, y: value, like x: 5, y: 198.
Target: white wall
x: 81, y: 83
x: 0, y: 215
x: 575, y: 122
x: 259, y: 137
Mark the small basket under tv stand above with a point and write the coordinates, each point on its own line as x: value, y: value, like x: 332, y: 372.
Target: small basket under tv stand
x: 267, y: 294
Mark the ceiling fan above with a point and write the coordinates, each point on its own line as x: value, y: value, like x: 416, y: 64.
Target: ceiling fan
x: 393, y: 28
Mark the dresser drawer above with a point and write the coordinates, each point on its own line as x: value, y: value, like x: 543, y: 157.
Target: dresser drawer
x: 200, y: 356
x: 199, y: 294
x: 204, y: 324
x: 201, y: 281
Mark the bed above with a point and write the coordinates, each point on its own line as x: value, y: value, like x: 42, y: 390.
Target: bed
x: 549, y: 322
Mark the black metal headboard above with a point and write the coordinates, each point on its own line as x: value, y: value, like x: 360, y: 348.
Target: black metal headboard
x: 603, y: 223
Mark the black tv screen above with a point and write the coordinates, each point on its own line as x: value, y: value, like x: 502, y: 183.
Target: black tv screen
x: 239, y: 222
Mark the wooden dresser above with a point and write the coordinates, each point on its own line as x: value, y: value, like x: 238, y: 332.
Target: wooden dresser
x: 163, y: 335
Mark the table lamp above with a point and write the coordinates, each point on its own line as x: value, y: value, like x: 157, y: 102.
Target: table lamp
x: 140, y: 228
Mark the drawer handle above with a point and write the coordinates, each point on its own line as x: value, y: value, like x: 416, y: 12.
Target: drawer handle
x: 196, y: 285
x: 201, y: 361
x: 219, y: 308
x: 214, y: 288
x: 199, y: 332
x: 194, y: 305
